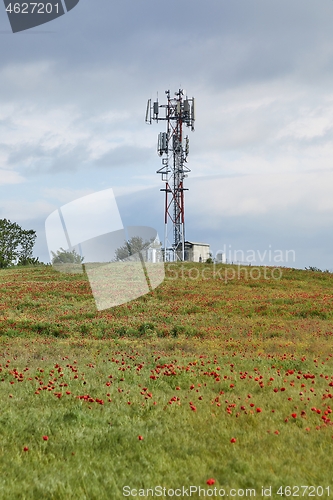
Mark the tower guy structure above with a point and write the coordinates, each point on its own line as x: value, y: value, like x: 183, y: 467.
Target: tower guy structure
x: 173, y: 147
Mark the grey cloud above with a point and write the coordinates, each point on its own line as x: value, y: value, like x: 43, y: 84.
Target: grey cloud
x: 222, y: 42
x: 124, y: 155
x: 114, y: 55
x: 34, y: 159
x: 37, y: 159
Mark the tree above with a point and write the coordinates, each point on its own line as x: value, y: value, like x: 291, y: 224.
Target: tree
x: 16, y: 244
x: 66, y: 257
x: 134, y: 245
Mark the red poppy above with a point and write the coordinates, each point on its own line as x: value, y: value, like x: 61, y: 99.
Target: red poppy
x: 233, y: 440
x: 25, y: 448
x: 210, y: 481
x: 140, y: 438
x: 259, y: 410
x: 45, y: 438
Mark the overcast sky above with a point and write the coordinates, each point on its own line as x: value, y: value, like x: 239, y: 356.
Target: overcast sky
x: 73, y: 96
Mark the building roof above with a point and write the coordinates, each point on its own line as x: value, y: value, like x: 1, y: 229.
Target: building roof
x: 194, y: 243
x: 199, y: 244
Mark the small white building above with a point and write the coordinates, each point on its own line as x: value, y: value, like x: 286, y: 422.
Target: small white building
x: 220, y: 257
x: 195, y: 252
x: 154, y: 251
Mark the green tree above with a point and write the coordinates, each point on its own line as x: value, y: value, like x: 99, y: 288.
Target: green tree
x: 16, y: 244
x: 66, y: 257
x: 133, y: 246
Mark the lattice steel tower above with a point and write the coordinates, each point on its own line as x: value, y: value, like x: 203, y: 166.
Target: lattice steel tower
x: 173, y: 147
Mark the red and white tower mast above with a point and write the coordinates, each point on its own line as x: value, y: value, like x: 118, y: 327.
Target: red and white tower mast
x: 173, y: 147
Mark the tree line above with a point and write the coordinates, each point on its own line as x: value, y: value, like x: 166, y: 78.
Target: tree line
x: 16, y: 247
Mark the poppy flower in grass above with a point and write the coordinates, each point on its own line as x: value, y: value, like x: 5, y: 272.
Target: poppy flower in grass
x: 259, y: 410
x: 25, y: 448
x: 45, y: 438
x: 210, y: 481
x: 294, y: 415
x: 233, y: 440
x: 140, y: 438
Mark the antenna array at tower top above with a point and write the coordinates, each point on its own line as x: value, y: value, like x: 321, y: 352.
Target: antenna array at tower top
x: 179, y: 107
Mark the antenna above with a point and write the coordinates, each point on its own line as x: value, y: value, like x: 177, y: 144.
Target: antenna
x: 173, y: 147
x: 148, y: 112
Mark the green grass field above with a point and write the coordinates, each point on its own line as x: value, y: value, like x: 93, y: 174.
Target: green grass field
x: 216, y: 374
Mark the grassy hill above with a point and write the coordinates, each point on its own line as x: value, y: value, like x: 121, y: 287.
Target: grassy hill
x: 221, y: 373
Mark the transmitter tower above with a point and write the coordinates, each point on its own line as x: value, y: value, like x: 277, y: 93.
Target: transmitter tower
x: 173, y: 147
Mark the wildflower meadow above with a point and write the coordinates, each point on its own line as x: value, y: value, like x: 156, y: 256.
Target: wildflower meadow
x: 216, y: 384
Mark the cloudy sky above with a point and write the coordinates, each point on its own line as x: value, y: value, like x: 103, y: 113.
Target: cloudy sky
x: 73, y: 95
